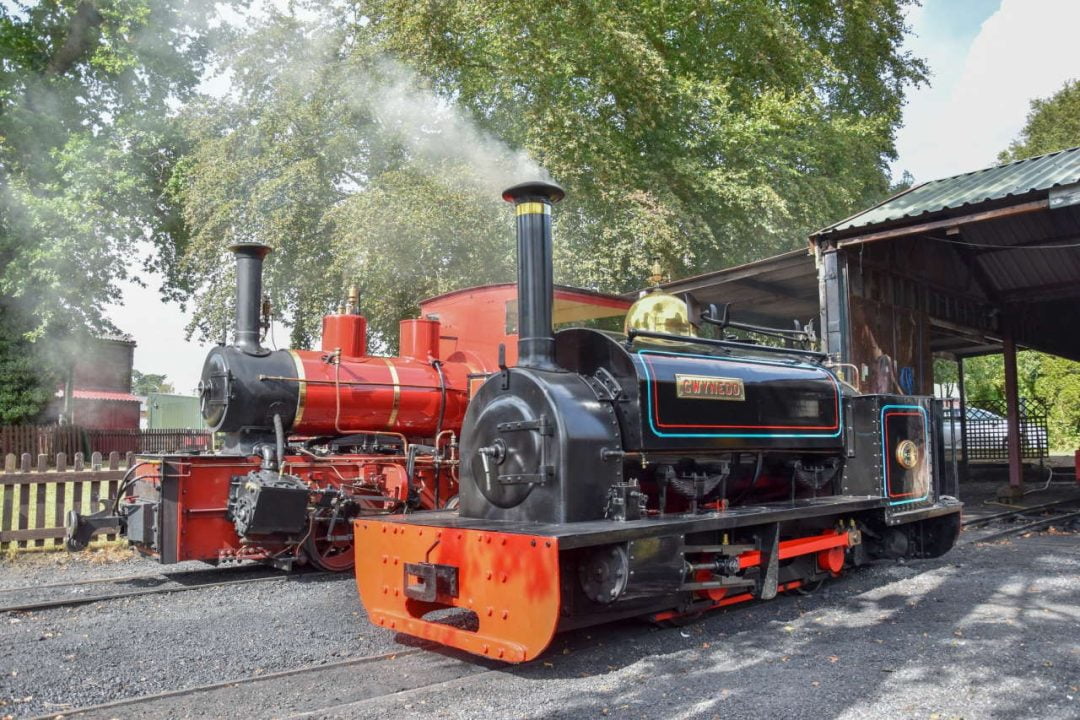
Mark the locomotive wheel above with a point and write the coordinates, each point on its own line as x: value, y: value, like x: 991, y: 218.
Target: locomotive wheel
x: 334, y: 555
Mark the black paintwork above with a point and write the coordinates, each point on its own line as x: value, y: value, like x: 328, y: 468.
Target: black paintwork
x: 550, y: 468
x: 535, y: 288
x: 249, y: 262
x: 234, y: 400
x: 788, y: 404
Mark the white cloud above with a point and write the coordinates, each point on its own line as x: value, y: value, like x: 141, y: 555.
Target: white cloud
x: 979, y: 101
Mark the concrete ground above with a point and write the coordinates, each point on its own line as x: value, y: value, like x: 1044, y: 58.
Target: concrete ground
x: 988, y: 631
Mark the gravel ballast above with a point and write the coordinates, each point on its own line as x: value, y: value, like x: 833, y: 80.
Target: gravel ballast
x: 988, y: 631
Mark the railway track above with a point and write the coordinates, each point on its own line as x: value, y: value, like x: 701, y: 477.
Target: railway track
x: 1056, y: 511
x: 85, y: 592
x: 314, y: 689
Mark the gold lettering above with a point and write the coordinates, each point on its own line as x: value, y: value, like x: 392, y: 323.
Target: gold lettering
x: 706, y: 387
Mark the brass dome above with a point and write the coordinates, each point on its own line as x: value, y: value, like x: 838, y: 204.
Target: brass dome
x: 659, y: 312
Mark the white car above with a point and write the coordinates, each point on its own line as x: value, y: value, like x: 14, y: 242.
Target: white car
x: 988, y: 431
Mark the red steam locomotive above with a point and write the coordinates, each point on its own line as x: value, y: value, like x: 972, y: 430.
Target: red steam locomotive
x: 315, y: 438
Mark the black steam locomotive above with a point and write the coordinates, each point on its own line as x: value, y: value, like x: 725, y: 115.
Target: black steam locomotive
x: 652, y: 473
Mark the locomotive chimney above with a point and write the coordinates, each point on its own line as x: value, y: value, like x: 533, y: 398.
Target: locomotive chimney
x: 249, y: 262
x: 535, y: 290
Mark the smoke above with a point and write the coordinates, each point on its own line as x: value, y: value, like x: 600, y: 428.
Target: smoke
x: 435, y: 132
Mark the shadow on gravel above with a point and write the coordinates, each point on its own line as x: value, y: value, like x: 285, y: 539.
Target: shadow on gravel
x: 876, y: 643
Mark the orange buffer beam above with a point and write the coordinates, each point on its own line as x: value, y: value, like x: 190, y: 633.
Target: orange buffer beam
x: 510, y: 581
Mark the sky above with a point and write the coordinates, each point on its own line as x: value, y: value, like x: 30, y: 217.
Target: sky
x: 988, y: 60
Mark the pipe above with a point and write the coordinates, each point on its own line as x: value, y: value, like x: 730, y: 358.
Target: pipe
x: 249, y: 262
x: 279, y: 440
x: 535, y: 289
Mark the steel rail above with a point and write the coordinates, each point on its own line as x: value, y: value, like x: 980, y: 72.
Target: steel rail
x: 130, y: 578
x: 90, y: 599
x: 1024, y: 528
x: 985, y: 519
x: 251, y: 679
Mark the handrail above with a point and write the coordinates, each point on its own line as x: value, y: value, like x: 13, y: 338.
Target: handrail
x: 728, y: 344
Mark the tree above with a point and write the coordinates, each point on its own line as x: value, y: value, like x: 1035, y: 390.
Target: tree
x: 86, y: 146
x: 146, y: 383
x: 1052, y: 124
x: 699, y: 134
x: 703, y: 133
x: 319, y: 151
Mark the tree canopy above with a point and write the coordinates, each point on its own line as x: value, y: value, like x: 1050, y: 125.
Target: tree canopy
x: 146, y: 383
x: 371, y: 145
x: 87, y: 147
x: 1052, y: 124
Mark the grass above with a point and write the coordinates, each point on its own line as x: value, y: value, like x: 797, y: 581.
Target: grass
x: 52, y: 491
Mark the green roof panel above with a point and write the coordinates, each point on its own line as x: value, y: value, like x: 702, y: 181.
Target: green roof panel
x: 1018, y: 178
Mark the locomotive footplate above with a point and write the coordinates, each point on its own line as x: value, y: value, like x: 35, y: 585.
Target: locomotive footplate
x: 523, y: 582
x: 599, y: 532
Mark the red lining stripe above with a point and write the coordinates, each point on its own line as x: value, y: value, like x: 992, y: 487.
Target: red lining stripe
x: 888, y: 461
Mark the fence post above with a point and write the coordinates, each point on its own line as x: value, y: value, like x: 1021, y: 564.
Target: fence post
x: 129, y: 458
x: 95, y: 461
x: 114, y: 460
x: 26, y: 462
x: 9, y: 462
x: 42, y: 463
x: 79, y: 461
x: 61, y: 462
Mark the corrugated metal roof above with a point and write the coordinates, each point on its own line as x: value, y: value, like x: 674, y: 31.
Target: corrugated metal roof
x: 995, y: 183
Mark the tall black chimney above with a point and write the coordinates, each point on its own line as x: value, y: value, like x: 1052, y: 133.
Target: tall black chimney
x: 532, y: 205
x: 249, y: 262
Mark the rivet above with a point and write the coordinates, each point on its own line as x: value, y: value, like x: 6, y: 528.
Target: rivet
x: 505, y: 614
x: 501, y: 652
x: 502, y: 578
x: 485, y: 649
x: 384, y: 559
x: 491, y: 611
x: 488, y: 574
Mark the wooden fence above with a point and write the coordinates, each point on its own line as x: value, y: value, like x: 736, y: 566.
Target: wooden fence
x: 51, y: 440
x: 35, y: 499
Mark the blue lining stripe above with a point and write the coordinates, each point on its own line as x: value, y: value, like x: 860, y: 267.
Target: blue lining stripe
x: 885, y: 457
x: 649, y: 382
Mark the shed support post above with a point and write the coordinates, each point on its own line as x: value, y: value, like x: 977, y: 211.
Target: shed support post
x: 833, y: 296
x: 963, y: 474
x: 1012, y: 415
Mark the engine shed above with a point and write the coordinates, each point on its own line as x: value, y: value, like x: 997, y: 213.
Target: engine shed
x: 980, y: 263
